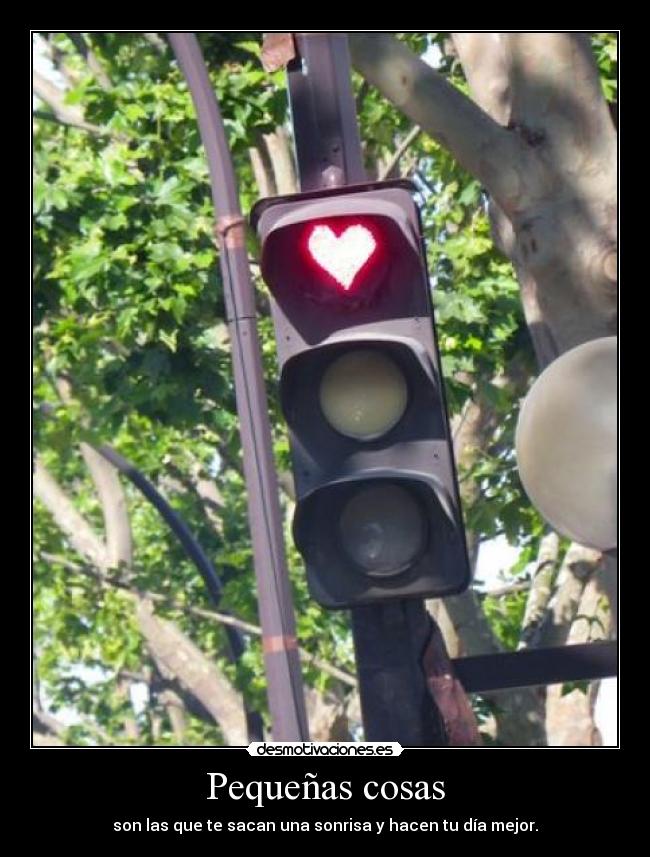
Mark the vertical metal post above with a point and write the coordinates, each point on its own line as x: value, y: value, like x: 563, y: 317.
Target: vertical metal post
x: 323, y: 111
x: 396, y: 704
x: 282, y: 661
x: 389, y: 639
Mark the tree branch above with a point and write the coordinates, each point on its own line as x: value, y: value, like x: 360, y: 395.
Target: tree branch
x: 206, y: 491
x: 491, y: 153
x: 175, y: 711
x: 51, y: 117
x: 117, y: 527
x: 261, y: 174
x: 119, y: 546
x: 77, y: 530
x: 176, y: 656
x: 212, y: 615
x: 541, y: 588
x: 484, y: 58
x: 503, y: 591
x: 66, y: 114
x: 58, y: 59
x: 173, y: 652
x: 279, y: 149
x: 403, y: 146
x: 46, y: 724
x: 579, y: 565
x: 92, y: 61
x: 570, y: 716
x: 158, y: 43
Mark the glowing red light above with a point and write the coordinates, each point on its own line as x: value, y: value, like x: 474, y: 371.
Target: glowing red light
x: 341, y: 256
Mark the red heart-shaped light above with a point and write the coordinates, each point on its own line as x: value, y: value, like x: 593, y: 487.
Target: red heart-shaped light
x: 341, y: 256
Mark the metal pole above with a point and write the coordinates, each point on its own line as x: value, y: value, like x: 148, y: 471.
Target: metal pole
x: 284, y: 681
x: 323, y: 111
x: 389, y: 639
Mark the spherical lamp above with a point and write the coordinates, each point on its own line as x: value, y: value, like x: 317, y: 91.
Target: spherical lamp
x: 566, y: 444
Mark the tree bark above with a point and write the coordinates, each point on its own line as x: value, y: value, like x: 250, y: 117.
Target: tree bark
x: 545, y: 87
x: 570, y: 716
x: 263, y: 179
x: 551, y: 170
x: 279, y: 151
x: 541, y: 588
x: 117, y: 526
x: 579, y: 566
x: 177, y: 657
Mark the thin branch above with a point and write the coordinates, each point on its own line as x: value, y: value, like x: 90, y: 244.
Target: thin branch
x: 175, y: 709
x: 164, y: 600
x: 404, y: 145
x: 77, y: 530
x: 579, y: 565
x: 158, y: 43
x: 206, y: 491
x: 190, y: 544
x: 67, y: 114
x: 541, y: 588
x: 92, y: 61
x: 48, y: 724
x: 58, y: 59
x: 490, y: 152
x: 504, y: 591
x: 262, y: 174
x: 117, y: 527
x: 83, y: 126
x: 279, y: 150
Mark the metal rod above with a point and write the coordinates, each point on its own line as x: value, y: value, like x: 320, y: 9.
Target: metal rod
x: 531, y: 667
x: 323, y: 111
x: 282, y: 661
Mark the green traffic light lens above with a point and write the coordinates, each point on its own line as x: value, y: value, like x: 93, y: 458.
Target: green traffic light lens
x: 363, y: 394
x: 382, y: 529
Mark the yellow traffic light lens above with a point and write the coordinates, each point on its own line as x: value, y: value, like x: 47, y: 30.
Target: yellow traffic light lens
x: 363, y: 394
x: 382, y: 529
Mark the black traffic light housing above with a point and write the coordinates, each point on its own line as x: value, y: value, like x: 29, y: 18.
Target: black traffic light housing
x: 378, y: 513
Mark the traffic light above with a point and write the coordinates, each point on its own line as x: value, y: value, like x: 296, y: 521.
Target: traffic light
x: 377, y: 507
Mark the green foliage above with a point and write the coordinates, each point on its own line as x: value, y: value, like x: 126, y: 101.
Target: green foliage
x: 605, y: 46
x: 505, y: 613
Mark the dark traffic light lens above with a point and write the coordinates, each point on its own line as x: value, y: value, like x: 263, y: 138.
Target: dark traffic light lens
x: 363, y: 394
x: 382, y: 529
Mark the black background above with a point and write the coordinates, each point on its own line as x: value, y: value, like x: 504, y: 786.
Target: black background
x: 572, y: 795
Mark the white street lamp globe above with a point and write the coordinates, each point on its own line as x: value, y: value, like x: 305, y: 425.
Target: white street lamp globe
x: 566, y: 444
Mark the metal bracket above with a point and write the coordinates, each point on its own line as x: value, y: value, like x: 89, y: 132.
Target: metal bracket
x: 531, y: 667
